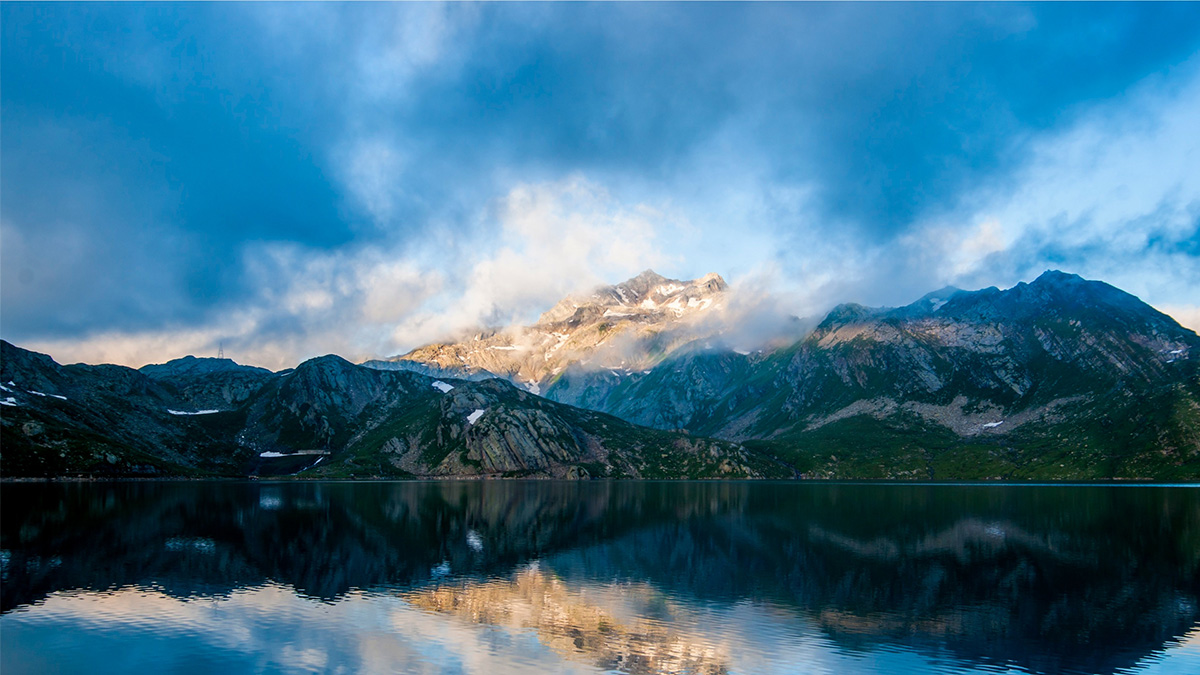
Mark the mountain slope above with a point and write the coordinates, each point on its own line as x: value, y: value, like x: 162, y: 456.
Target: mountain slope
x: 327, y: 418
x: 61, y: 420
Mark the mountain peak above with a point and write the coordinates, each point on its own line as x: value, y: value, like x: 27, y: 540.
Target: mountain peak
x: 626, y: 325
x: 648, y: 275
x: 1057, y: 278
x: 192, y: 365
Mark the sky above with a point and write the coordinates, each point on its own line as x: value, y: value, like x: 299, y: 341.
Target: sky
x: 289, y: 180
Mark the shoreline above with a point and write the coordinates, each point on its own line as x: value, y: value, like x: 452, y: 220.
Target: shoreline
x: 1116, y: 482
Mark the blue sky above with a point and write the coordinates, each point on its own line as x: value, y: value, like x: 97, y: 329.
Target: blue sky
x: 297, y: 179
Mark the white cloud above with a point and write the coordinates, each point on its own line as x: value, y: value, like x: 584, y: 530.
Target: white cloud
x: 374, y: 172
x: 1115, y: 197
x: 546, y: 241
x: 552, y: 239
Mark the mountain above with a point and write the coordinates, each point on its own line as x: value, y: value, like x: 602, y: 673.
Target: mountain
x: 325, y: 418
x: 208, y: 383
x: 1058, y: 378
x: 629, y: 326
x: 1061, y: 378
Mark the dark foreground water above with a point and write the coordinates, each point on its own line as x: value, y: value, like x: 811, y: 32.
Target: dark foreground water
x: 526, y: 577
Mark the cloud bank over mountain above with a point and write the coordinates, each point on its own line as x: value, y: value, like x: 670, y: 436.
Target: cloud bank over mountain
x: 297, y: 180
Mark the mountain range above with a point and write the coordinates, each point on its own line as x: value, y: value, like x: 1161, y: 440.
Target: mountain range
x: 1060, y: 378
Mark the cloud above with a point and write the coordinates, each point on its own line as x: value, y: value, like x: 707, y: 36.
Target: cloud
x: 312, y: 178
x: 547, y: 241
x: 552, y: 239
x: 1114, y: 196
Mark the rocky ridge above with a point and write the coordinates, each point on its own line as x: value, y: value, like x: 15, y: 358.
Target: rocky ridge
x: 1009, y: 380
x: 627, y: 327
x: 325, y: 418
x: 1062, y: 363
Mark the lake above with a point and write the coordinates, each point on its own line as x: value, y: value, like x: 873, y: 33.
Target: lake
x: 584, y: 577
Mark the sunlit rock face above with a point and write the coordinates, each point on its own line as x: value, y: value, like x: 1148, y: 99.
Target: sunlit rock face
x: 635, y: 577
x: 624, y: 328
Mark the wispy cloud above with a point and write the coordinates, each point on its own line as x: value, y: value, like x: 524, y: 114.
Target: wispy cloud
x: 1113, y: 196
x: 303, y: 179
x: 547, y: 241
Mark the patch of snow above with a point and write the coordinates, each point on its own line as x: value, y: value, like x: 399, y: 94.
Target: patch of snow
x: 4, y: 388
x: 442, y: 386
x: 474, y: 417
x: 8, y: 401
x: 621, y: 292
x: 743, y: 353
x: 533, y: 387
x: 1175, y: 351
x: 701, y: 303
x: 937, y: 304
x: 648, y: 304
x: 198, y: 412
x: 474, y: 541
x: 645, y: 372
x: 317, y: 462
x: 502, y: 349
x: 38, y: 393
x: 667, y: 289
x: 272, y: 454
x: 609, y: 312
x: 993, y: 425
x: 562, y: 339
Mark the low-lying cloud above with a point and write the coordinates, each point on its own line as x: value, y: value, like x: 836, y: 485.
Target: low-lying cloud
x: 547, y: 241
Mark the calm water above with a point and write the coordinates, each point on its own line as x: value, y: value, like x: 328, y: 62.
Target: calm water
x: 496, y: 577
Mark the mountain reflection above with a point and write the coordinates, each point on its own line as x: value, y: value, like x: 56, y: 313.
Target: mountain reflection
x: 579, y: 627
x: 629, y: 576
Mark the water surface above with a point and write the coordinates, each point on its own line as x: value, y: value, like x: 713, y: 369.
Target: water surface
x: 495, y: 577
